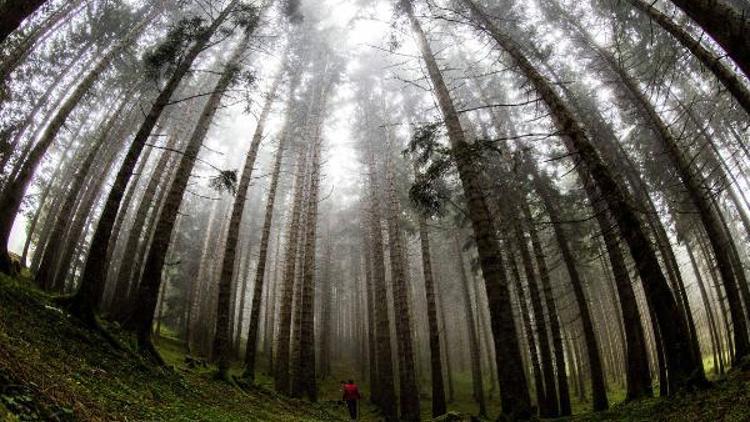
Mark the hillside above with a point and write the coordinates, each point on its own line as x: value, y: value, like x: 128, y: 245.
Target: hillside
x: 52, y: 369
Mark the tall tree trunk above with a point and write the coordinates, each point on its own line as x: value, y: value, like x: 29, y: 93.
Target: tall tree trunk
x: 143, y: 312
x: 547, y: 408
x: 536, y: 368
x: 710, y: 60
x: 438, y: 390
x: 148, y: 209
x: 387, y: 392
x: 13, y: 192
x: 281, y: 367
x: 252, y: 335
x: 598, y: 386
x: 562, y: 379
x: 684, y: 369
x: 715, y: 343
x: 84, y: 302
x: 221, y: 341
x: 727, y: 25
x: 514, y: 392
x: 408, y: 391
x: 304, y: 379
x: 475, y: 352
x: 50, y: 256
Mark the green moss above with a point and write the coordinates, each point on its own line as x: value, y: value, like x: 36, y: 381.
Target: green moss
x: 51, y: 367
x: 63, y: 370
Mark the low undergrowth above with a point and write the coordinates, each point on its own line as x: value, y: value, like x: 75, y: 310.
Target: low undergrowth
x: 51, y: 368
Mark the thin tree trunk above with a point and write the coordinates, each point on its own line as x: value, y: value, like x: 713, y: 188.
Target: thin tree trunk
x: 408, y: 391
x: 438, y: 390
x: 50, y: 256
x: 281, y: 367
x: 475, y: 352
x: 598, y: 386
x: 530, y: 341
x: 387, y: 393
x: 715, y: 343
x: 221, y: 341
x: 548, y: 407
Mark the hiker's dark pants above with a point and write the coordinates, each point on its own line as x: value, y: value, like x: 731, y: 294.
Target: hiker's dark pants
x: 352, y: 405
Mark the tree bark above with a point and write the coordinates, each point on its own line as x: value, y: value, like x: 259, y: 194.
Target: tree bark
x: 547, y: 408
x: 408, y: 390
x: 95, y: 271
x: 50, y: 256
x: 387, y: 393
x: 143, y: 312
x: 562, y: 378
x: 13, y: 192
x: 221, y: 340
x: 438, y: 390
x: 685, y: 371
x: 598, y: 386
x: 515, y: 400
x: 475, y: 352
x: 727, y: 25
x: 281, y: 367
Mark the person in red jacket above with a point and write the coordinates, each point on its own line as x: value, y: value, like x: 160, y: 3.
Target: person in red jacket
x: 351, y: 395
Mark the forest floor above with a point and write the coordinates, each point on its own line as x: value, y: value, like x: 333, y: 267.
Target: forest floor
x: 51, y: 368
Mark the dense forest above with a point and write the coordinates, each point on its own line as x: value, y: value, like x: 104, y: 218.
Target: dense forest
x: 505, y: 209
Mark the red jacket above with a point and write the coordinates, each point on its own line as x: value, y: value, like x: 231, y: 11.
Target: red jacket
x: 351, y: 392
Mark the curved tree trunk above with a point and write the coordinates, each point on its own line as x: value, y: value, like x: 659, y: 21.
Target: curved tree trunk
x: 536, y: 368
x: 145, y: 303
x: 50, y: 255
x: 227, y: 273
x: 598, y: 386
x: 562, y: 379
x: 84, y: 302
x: 707, y: 58
x: 548, y: 407
x: 20, y: 53
x: 14, y: 191
x: 514, y: 392
x: 727, y: 25
x: 684, y: 370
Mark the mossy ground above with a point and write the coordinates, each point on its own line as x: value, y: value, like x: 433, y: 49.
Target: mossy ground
x: 51, y: 368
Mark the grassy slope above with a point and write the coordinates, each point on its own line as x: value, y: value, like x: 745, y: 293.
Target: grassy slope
x: 52, y: 368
